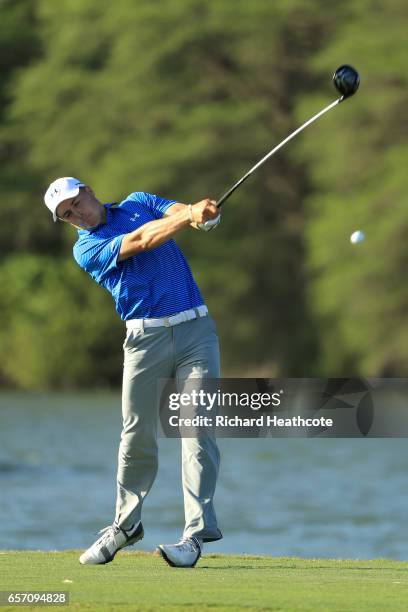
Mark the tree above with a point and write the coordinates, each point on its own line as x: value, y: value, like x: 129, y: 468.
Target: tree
x: 180, y: 99
x: 358, y: 293
x: 60, y: 331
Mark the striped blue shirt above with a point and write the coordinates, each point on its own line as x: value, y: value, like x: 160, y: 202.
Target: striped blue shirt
x: 152, y: 284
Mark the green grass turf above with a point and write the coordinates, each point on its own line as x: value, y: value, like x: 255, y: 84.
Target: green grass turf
x: 142, y: 581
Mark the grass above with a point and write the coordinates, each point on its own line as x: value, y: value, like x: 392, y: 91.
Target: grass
x: 142, y: 581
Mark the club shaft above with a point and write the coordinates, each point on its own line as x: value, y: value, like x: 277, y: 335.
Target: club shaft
x: 274, y: 150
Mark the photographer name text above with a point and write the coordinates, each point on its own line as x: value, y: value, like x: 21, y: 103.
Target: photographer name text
x: 263, y: 420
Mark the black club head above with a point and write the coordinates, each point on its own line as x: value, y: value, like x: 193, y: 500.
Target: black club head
x: 346, y: 80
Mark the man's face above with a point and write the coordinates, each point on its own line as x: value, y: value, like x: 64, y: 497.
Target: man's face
x: 83, y: 211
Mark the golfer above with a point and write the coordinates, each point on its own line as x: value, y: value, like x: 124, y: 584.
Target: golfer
x: 127, y: 248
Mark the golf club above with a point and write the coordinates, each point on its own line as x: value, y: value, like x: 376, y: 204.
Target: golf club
x: 346, y: 80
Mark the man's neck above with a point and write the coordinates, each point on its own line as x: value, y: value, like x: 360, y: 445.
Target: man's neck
x: 100, y: 222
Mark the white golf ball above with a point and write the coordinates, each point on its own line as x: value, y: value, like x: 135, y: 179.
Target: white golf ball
x: 357, y: 237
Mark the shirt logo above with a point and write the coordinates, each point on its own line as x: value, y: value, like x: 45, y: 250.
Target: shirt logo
x: 135, y: 217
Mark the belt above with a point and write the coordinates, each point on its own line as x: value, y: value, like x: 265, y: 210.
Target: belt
x: 180, y: 317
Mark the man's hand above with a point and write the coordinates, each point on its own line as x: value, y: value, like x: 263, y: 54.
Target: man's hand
x: 205, y: 215
x: 204, y: 211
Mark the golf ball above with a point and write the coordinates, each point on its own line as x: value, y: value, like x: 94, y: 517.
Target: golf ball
x: 357, y: 237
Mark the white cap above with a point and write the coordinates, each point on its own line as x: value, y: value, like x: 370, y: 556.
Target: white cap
x: 60, y: 190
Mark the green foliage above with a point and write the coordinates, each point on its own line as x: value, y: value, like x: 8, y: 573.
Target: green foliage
x: 60, y: 329
x: 19, y: 47
x: 181, y: 98
x: 359, y: 157
x: 18, y: 41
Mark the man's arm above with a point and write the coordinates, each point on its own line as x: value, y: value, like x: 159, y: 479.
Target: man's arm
x: 153, y: 234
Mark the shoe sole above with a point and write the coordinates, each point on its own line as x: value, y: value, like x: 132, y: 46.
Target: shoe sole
x: 130, y: 542
x: 170, y: 562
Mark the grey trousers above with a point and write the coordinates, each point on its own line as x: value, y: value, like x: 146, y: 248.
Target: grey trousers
x: 185, y: 351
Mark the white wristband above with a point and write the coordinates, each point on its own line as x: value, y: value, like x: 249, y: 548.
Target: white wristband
x: 190, y: 212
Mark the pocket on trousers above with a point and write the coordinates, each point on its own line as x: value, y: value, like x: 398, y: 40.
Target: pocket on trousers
x: 131, y: 337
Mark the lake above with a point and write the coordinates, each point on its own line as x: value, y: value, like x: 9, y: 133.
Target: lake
x: 335, y: 498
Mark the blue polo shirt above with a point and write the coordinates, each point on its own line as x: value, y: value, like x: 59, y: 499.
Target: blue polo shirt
x: 152, y: 284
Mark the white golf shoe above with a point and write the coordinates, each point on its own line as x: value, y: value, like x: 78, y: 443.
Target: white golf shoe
x: 113, y: 539
x: 184, y: 554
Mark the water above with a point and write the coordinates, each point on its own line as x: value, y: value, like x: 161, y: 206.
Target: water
x: 307, y: 497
